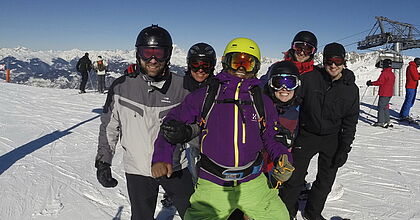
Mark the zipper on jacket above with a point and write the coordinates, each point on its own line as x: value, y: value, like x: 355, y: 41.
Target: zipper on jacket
x: 236, y: 122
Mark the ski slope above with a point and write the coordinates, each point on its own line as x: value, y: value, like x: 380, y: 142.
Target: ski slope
x: 48, y: 142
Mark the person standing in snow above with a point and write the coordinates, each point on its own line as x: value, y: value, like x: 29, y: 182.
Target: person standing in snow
x: 233, y: 134
x: 329, y: 112
x: 386, y: 89
x: 84, y: 66
x: 411, y: 83
x: 136, y: 104
x: 100, y: 66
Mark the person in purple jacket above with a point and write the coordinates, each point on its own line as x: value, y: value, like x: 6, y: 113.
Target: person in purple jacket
x: 232, y: 137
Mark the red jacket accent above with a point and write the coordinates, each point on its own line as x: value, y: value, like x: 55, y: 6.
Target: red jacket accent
x: 302, y: 67
x: 412, y: 76
x: 385, y: 82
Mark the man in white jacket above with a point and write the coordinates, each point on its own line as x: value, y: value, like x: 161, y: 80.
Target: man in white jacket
x: 100, y: 66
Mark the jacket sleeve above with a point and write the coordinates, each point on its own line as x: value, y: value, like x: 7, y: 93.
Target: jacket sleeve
x: 381, y: 80
x: 188, y: 112
x: 274, y: 148
x: 414, y: 73
x: 109, y: 131
x: 78, y: 66
x: 349, y: 122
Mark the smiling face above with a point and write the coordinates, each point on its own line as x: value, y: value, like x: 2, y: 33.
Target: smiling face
x: 152, y: 67
x: 284, y: 95
x: 199, y: 75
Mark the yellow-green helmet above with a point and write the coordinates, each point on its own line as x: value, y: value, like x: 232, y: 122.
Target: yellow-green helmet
x: 243, y: 45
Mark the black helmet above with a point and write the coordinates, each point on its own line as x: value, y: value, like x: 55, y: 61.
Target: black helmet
x: 202, y: 50
x: 306, y: 36
x: 283, y: 67
x: 386, y: 63
x: 417, y: 61
x: 154, y: 36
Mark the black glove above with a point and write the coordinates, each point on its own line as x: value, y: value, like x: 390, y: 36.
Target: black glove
x: 369, y: 83
x: 340, y: 157
x: 176, y: 132
x: 284, y: 136
x: 131, y: 71
x: 103, y: 174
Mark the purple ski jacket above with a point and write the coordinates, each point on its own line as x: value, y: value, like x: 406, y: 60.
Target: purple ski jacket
x: 227, y: 139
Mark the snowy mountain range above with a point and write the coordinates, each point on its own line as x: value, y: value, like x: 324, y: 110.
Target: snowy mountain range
x: 57, y: 69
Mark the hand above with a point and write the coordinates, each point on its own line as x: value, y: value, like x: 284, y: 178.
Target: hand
x: 131, y: 71
x: 176, y: 132
x: 160, y: 169
x: 103, y: 174
x: 284, y: 136
x: 282, y: 170
x: 369, y: 83
x: 340, y: 157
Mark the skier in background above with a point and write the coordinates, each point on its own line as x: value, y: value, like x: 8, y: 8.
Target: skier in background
x: 100, y: 66
x: 411, y: 84
x: 386, y: 89
x: 84, y: 66
x: 136, y: 105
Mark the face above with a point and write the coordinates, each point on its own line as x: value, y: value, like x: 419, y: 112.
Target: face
x: 301, y: 56
x: 284, y: 95
x: 334, y: 70
x: 241, y: 73
x: 152, y: 67
x: 199, y: 75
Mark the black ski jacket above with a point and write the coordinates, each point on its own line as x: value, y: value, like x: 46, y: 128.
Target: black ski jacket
x: 330, y: 107
x: 84, y: 64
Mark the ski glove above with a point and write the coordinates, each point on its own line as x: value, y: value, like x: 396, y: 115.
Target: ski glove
x: 340, y: 157
x: 284, y: 136
x: 131, y: 71
x: 176, y: 132
x: 103, y: 174
x: 369, y: 83
x: 281, y: 172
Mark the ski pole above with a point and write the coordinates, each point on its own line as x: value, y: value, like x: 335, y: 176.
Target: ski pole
x: 373, y: 104
x: 90, y: 79
x: 364, y: 93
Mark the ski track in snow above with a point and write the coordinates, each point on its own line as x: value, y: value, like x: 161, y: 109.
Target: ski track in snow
x: 48, y: 141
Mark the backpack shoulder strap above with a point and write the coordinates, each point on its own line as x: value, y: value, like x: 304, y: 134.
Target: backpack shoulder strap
x: 213, y: 88
x: 257, y: 99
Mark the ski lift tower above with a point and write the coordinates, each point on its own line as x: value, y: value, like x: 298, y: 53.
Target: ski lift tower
x: 395, y: 37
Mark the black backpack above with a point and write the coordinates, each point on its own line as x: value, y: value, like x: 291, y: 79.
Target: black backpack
x: 213, y: 90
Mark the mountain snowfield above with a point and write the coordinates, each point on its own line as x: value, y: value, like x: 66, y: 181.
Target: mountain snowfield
x: 48, y: 142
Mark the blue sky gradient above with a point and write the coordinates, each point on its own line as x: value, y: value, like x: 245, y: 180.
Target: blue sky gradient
x: 108, y: 25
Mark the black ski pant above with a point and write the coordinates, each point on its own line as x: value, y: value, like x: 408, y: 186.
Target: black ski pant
x: 307, y: 145
x: 101, y: 83
x: 143, y: 192
x: 84, y: 80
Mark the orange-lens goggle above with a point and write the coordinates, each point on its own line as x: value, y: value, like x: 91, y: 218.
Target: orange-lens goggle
x: 338, y: 61
x: 237, y: 60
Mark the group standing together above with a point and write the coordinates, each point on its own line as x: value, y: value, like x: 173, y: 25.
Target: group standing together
x: 229, y: 142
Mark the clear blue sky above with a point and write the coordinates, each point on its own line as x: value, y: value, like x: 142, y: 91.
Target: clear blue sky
x: 108, y: 25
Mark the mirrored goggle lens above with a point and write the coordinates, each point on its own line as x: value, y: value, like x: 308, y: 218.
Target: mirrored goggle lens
x: 203, y: 64
x: 244, y: 60
x: 159, y: 53
x: 290, y: 82
x: 307, y: 48
x: 338, y: 61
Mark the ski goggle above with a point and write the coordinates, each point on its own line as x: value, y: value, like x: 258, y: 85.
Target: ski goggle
x: 198, y: 64
x: 237, y: 60
x: 307, y: 48
x: 287, y: 81
x: 338, y: 61
x: 159, y: 53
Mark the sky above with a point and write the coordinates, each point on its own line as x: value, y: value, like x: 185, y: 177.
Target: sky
x: 109, y: 25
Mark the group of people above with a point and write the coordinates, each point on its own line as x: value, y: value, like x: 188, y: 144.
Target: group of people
x: 386, y: 82
x: 85, y: 65
x: 229, y: 142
